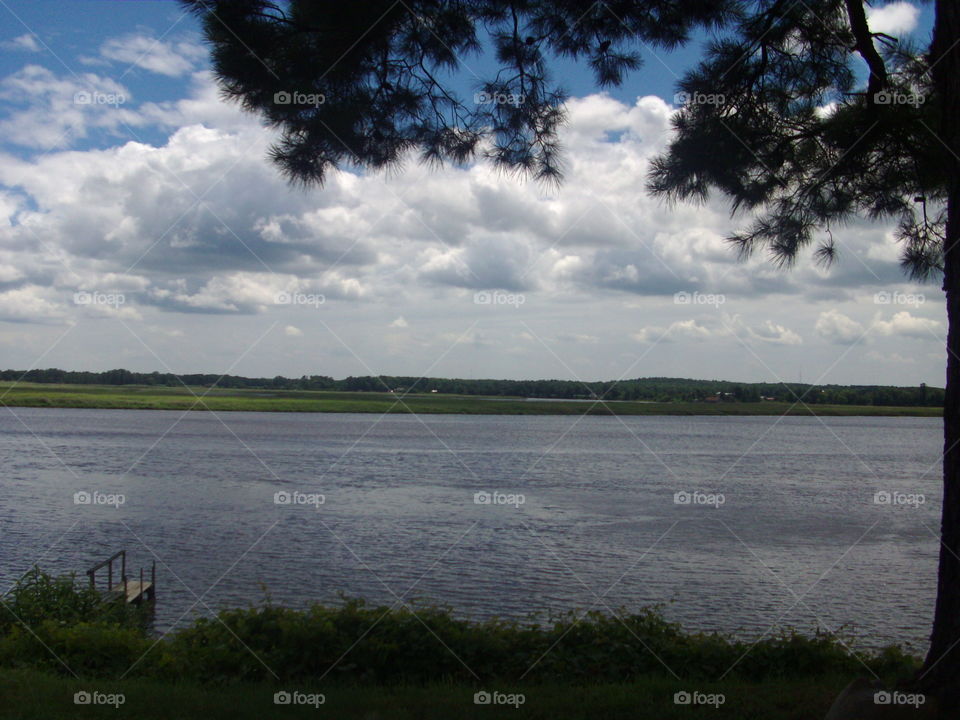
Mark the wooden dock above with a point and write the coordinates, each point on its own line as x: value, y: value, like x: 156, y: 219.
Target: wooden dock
x: 129, y: 590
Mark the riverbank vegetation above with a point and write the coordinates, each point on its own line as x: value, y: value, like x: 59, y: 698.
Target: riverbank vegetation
x: 654, y: 389
x: 156, y: 397
x: 55, y: 640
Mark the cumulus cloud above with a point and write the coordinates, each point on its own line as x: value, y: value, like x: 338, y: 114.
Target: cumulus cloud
x: 202, y: 213
x: 903, y: 324
x: 835, y: 327
x: 292, y: 331
x: 895, y: 18
x: 720, y: 326
x: 766, y: 331
x: 195, y: 226
x: 30, y: 304
x: 26, y: 42
x: 48, y: 111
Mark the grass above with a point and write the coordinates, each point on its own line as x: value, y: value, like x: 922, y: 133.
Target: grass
x: 141, y: 397
x: 32, y: 695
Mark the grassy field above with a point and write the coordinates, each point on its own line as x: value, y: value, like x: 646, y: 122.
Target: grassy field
x: 137, y: 397
x: 30, y: 695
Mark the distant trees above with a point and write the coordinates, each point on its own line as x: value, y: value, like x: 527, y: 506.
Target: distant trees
x: 647, y: 389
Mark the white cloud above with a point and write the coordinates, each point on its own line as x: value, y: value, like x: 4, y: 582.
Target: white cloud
x: 679, y: 330
x: 29, y: 304
x: 836, y: 327
x: 143, y: 51
x: 767, y: 331
x: 27, y: 42
x: 192, y: 222
x: 896, y: 18
x: 903, y: 324
x: 47, y: 111
x: 293, y: 331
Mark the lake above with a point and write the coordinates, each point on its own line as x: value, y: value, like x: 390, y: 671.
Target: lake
x: 740, y: 524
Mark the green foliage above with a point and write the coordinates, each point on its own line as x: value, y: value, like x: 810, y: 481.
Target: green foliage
x: 65, y: 629
x: 91, y: 649
x: 145, y: 389
x: 400, y: 647
x: 52, y: 623
x: 39, y: 598
x: 790, y: 134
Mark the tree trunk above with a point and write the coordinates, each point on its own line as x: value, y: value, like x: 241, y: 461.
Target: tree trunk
x: 942, y: 666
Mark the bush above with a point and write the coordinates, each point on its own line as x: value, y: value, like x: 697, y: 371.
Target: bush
x: 87, y: 649
x: 38, y: 597
x: 357, y: 643
x: 400, y: 647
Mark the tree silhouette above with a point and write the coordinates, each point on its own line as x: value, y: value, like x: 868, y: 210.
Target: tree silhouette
x: 798, y: 112
x: 366, y: 83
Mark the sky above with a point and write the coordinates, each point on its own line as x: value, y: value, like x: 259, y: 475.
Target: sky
x: 142, y: 226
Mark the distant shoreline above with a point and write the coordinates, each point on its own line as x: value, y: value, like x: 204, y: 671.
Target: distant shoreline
x: 129, y: 397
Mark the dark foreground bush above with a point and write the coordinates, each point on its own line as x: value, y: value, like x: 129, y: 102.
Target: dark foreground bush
x: 358, y: 643
x: 398, y: 646
x: 38, y: 597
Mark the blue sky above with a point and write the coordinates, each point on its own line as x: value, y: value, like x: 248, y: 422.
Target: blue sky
x: 147, y: 230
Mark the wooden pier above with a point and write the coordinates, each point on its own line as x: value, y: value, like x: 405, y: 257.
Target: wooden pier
x: 122, y: 587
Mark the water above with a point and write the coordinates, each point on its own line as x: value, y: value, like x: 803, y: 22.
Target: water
x: 798, y: 540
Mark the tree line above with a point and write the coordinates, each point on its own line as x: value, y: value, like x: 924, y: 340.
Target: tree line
x: 653, y: 389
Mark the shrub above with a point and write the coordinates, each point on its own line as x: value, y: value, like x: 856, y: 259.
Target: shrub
x: 364, y: 644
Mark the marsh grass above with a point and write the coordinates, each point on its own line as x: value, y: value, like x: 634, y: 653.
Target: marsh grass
x: 137, y: 397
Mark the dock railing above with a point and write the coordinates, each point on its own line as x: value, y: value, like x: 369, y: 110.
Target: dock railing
x: 147, y: 591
